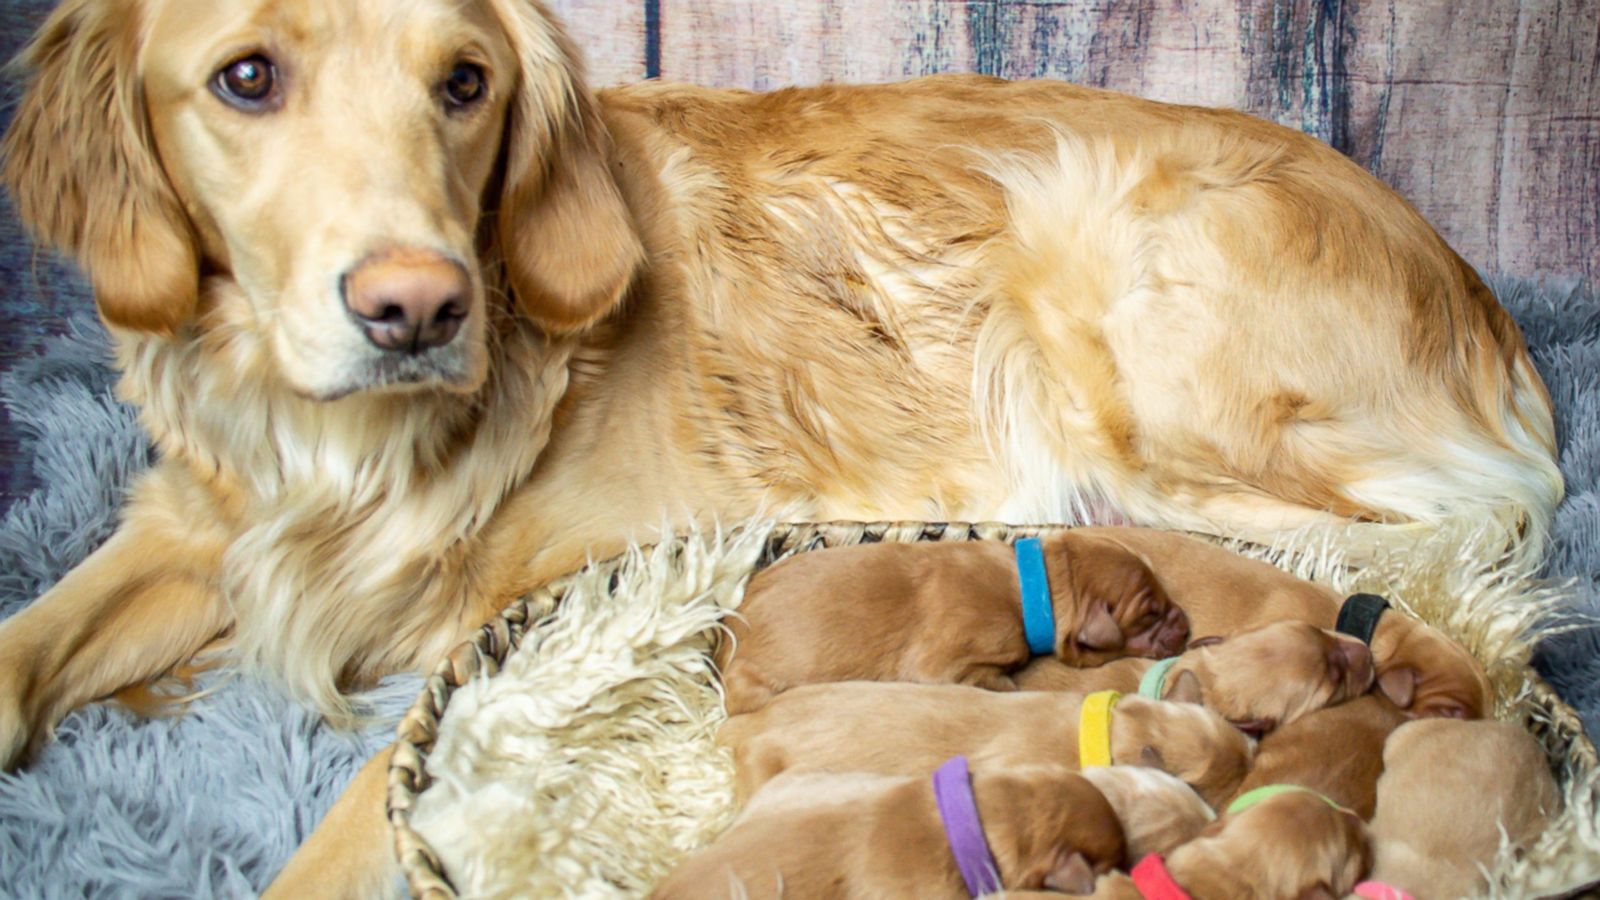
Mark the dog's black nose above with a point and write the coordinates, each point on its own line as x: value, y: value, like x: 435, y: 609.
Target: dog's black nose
x: 407, y: 301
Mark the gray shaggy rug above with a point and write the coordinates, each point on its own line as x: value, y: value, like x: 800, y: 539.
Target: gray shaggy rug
x: 212, y: 803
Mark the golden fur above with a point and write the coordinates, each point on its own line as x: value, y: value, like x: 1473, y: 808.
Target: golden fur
x: 1261, y: 678
x: 950, y: 298
x: 904, y: 729
x: 1158, y: 811
x: 1223, y: 593
x: 854, y: 835
x: 1337, y: 752
x: 937, y: 613
x: 1451, y: 796
x: 1290, y: 845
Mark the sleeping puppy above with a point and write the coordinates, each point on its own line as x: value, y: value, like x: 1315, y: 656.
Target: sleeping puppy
x: 939, y: 613
x: 1292, y: 846
x: 905, y: 729
x: 1424, y: 672
x: 1258, y: 680
x: 1447, y: 792
x: 1158, y: 811
x: 1336, y: 751
x: 826, y: 835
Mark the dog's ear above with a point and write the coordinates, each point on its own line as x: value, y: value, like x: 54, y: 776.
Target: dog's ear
x: 81, y: 166
x: 1399, y: 685
x: 1100, y: 630
x: 1151, y: 758
x: 1070, y: 874
x: 1185, y: 688
x: 565, y: 233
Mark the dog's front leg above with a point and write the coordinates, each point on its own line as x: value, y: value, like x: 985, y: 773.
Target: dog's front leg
x: 141, y: 604
x: 351, y: 853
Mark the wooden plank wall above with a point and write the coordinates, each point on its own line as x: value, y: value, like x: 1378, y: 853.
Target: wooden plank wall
x: 1484, y: 113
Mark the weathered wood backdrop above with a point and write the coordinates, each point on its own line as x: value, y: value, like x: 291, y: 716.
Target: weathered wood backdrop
x: 1485, y: 114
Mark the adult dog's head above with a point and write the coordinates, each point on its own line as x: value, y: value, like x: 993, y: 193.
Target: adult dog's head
x: 355, y: 166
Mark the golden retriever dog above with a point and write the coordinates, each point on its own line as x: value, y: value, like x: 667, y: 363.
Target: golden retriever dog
x: 1258, y: 680
x: 1451, y: 794
x: 1293, y: 845
x: 854, y: 835
x: 937, y: 613
x: 1158, y: 811
x: 1419, y: 668
x: 418, y: 320
x: 1337, y: 752
x: 903, y: 729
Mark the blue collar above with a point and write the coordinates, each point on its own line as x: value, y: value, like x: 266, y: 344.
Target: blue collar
x: 1038, y: 611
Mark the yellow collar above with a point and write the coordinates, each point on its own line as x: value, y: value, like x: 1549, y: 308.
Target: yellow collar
x: 1094, y: 729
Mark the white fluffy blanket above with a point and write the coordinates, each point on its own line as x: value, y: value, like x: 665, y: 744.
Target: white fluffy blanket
x: 587, y: 766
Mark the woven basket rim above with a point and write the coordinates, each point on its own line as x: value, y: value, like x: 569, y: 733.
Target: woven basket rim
x: 488, y: 649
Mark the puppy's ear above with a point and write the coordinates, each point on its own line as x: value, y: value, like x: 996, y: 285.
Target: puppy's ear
x: 1151, y: 758
x: 1254, y: 727
x: 1185, y: 688
x: 1399, y: 685
x: 1100, y: 630
x: 1071, y: 874
x: 81, y: 166
x: 566, y: 235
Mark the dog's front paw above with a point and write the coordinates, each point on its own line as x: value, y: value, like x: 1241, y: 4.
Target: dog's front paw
x: 19, y: 728
x: 16, y: 731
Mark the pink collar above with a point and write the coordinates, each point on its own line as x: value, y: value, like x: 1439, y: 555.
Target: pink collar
x: 1154, y: 882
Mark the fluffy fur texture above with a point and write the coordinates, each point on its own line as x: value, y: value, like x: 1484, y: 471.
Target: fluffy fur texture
x: 611, y: 770
x: 283, y: 771
x: 953, y: 297
x: 1157, y: 811
x: 209, y: 804
x: 1494, y: 609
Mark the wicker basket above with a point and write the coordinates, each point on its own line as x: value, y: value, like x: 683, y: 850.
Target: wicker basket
x: 1555, y: 724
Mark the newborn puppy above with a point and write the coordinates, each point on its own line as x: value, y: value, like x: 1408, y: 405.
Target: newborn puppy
x: 906, y: 729
x: 1158, y: 811
x: 1448, y: 788
x: 937, y: 613
x: 1336, y: 751
x: 1291, y: 846
x: 1421, y: 670
x: 863, y: 836
x: 1258, y: 680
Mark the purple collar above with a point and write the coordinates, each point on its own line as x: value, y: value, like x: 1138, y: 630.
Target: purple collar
x: 952, y: 790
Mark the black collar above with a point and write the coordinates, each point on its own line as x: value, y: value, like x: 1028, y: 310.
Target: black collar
x: 1359, y: 615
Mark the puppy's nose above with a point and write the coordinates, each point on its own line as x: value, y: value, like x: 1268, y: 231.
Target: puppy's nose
x: 407, y: 301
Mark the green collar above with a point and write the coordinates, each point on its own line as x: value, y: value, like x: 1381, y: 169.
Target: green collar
x: 1251, y: 797
x: 1154, y: 682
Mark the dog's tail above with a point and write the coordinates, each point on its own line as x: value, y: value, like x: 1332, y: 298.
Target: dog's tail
x: 1097, y: 381
x: 1487, y: 459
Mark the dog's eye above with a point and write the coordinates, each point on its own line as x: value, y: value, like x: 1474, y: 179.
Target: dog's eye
x: 465, y: 85
x: 247, y: 83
